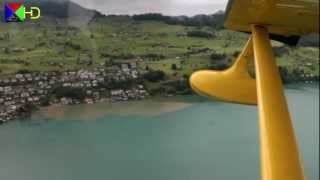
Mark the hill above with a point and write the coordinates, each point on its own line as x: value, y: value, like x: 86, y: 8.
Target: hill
x: 59, y: 8
x: 72, y: 37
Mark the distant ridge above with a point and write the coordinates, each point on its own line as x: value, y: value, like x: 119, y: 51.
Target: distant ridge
x: 62, y: 9
x: 57, y: 8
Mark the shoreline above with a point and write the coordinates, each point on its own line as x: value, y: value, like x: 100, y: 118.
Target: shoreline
x: 146, y: 108
x: 159, y: 100
x: 137, y: 93
x: 30, y: 110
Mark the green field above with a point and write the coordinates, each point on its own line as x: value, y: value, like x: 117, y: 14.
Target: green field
x: 58, y: 45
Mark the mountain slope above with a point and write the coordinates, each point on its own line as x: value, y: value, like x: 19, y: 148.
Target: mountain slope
x: 69, y: 34
x: 58, y: 8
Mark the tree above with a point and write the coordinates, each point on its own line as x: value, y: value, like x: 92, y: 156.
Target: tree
x: 284, y: 74
x: 201, y: 34
x: 69, y: 92
x: 154, y: 76
x: 23, y: 71
x: 236, y: 54
x: 6, y: 50
x: 217, y: 56
x: 174, y: 67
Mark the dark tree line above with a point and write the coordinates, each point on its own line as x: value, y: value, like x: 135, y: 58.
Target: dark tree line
x: 215, y: 20
x: 201, y: 34
x: 311, y: 40
x: 154, y: 76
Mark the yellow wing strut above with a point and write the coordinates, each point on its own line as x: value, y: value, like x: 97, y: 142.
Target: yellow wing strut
x: 279, y: 153
x: 285, y: 20
x: 234, y: 84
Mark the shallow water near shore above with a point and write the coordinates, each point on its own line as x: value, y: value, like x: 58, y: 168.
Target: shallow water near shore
x: 178, y: 138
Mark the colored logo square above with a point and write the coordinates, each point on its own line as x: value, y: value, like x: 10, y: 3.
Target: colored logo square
x: 14, y: 12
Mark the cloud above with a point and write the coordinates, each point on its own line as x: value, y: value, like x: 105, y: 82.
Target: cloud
x: 167, y: 7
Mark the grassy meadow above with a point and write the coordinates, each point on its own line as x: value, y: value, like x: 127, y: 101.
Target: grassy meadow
x: 58, y: 45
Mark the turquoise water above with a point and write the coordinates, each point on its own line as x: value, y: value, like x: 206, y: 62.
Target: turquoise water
x: 185, y: 138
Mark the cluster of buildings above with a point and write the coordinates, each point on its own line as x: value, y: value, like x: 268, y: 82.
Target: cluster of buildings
x: 38, y: 88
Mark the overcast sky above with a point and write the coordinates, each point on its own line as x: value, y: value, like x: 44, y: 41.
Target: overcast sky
x: 167, y: 7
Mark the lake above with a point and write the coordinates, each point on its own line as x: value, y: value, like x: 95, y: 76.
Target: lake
x: 180, y: 138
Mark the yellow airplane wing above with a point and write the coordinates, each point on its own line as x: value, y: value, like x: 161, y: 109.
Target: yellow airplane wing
x: 283, y: 20
x: 282, y: 17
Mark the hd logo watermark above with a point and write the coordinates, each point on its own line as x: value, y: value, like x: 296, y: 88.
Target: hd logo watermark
x: 17, y: 12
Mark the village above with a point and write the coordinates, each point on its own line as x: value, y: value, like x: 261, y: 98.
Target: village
x: 20, y: 94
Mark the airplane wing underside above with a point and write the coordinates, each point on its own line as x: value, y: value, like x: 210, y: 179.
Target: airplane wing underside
x: 286, y: 19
